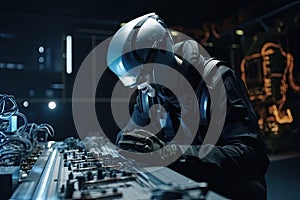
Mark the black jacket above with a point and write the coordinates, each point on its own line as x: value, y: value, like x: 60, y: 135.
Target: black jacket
x: 235, y: 166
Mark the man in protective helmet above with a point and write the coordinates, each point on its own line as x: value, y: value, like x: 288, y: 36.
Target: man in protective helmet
x: 143, y: 56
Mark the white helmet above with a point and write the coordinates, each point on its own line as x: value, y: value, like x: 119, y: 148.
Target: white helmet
x: 143, y: 40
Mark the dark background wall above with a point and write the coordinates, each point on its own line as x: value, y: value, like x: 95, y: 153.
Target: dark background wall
x: 27, y: 25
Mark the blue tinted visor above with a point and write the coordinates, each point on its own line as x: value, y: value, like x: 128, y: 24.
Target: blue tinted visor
x: 122, y: 56
x: 127, y: 68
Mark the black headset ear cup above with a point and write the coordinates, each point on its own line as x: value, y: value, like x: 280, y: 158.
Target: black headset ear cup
x: 204, y: 107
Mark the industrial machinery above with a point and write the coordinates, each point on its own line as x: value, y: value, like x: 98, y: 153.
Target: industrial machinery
x: 267, y: 75
x: 68, y: 170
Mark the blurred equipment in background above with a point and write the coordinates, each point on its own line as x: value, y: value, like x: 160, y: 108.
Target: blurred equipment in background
x: 267, y: 75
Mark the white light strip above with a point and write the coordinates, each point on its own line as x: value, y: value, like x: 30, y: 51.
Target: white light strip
x: 69, y: 54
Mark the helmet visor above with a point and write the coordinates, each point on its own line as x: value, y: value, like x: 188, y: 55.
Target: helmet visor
x: 127, y: 69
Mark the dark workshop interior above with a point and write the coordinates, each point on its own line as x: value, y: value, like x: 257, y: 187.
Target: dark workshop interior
x: 259, y: 39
